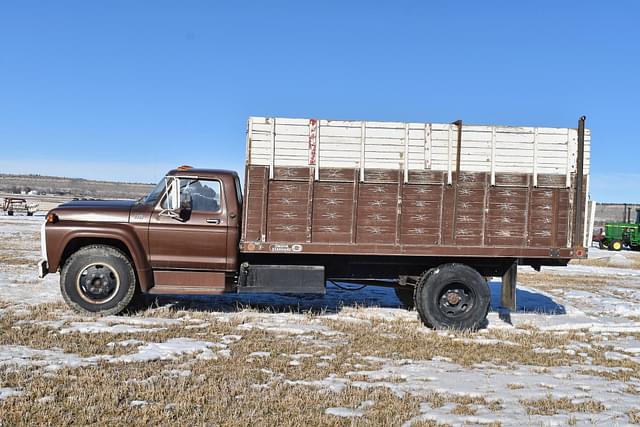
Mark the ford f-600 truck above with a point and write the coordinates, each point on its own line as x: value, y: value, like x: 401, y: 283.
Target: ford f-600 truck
x: 430, y: 209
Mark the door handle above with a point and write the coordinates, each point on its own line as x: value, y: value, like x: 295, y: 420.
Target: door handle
x: 213, y: 221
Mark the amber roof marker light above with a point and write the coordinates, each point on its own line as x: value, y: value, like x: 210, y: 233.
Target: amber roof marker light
x: 52, y: 218
x: 184, y: 168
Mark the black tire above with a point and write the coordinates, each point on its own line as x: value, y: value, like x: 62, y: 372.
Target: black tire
x: 29, y: 213
x: 98, y: 279
x: 10, y: 213
x: 405, y: 295
x: 601, y: 245
x: 615, y: 245
x: 453, y: 296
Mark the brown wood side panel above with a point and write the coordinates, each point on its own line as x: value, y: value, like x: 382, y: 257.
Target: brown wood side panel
x: 339, y: 211
x: 288, y: 211
x: 254, y: 205
x: 332, y: 212
x: 420, y: 219
x: 381, y: 175
x: 427, y: 177
x: 377, y: 207
x: 506, y: 216
x: 338, y: 175
x: 563, y: 213
x: 552, y: 181
x: 469, y: 208
x: 543, y: 209
x: 512, y: 180
x: 447, y: 229
x: 282, y: 173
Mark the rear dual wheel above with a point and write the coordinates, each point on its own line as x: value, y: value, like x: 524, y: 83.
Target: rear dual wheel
x: 452, y: 296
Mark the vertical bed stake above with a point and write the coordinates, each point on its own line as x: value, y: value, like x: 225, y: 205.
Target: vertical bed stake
x: 535, y: 157
x: 458, y: 148
x: 577, y: 225
x: 273, y: 149
x: 406, y: 153
x: 493, y: 156
x: 363, y: 128
x: 449, y: 178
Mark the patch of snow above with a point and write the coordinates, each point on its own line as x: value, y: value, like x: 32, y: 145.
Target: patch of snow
x: 169, y: 350
x: 423, y: 378
x: 104, y: 327
x: 286, y: 324
x: 485, y: 341
x: 53, y: 359
x: 260, y: 354
x: 125, y: 343
x: 344, y: 412
x: 332, y: 383
x: 6, y: 392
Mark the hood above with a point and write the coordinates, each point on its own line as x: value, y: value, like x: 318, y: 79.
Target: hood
x: 95, y: 210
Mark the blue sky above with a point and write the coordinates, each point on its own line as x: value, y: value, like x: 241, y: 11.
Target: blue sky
x: 124, y: 90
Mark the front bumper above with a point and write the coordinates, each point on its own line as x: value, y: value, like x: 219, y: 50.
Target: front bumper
x: 43, y: 268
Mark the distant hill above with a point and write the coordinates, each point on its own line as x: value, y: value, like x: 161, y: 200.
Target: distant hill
x: 77, y: 187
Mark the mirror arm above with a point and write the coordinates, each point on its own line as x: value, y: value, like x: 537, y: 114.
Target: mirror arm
x: 172, y: 214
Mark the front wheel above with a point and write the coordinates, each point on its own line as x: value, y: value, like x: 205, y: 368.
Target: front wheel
x: 98, y: 279
x: 453, y: 296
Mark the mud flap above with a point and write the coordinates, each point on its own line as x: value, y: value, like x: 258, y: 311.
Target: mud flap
x: 509, y: 280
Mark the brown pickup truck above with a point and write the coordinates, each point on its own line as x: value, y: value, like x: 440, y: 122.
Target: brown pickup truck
x: 432, y: 210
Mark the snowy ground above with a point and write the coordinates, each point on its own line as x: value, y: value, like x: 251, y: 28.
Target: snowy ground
x: 570, y: 354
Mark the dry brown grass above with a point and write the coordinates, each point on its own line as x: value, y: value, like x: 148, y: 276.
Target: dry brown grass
x: 236, y: 391
x: 634, y: 416
x: 215, y: 393
x: 552, y: 406
x: 632, y: 261
x: 464, y: 410
x: 545, y: 280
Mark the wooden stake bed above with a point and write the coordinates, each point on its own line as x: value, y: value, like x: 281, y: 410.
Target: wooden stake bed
x: 377, y: 188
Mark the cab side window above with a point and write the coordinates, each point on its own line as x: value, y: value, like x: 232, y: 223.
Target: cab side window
x: 205, y: 195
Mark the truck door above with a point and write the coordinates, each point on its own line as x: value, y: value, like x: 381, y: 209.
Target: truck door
x: 197, y: 242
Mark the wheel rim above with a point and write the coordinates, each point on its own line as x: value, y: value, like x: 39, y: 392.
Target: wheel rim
x: 455, y: 300
x: 98, y: 283
x: 616, y: 246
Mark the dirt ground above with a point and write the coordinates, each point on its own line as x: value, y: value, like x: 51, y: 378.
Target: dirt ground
x: 569, y: 354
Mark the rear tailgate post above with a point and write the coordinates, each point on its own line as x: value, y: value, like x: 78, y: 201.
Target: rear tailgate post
x: 578, y: 207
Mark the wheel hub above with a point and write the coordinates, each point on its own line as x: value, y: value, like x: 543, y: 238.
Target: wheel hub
x: 453, y: 298
x: 98, y: 283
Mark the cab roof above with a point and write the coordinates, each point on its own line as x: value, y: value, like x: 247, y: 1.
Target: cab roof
x: 189, y: 171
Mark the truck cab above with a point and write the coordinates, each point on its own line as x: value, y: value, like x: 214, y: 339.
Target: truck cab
x: 181, y: 238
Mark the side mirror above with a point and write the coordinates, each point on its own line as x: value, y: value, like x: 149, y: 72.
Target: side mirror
x: 178, y: 203
x: 186, y: 203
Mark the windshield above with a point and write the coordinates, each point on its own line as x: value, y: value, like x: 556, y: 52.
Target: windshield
x: 155, y: 194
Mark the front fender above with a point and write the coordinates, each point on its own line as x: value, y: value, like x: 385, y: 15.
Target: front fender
x: 63, y: 235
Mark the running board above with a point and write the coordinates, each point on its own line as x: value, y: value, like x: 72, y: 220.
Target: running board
x: 188, y: 282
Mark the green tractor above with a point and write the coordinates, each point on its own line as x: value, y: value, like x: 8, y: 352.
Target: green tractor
x: 620, y: 234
